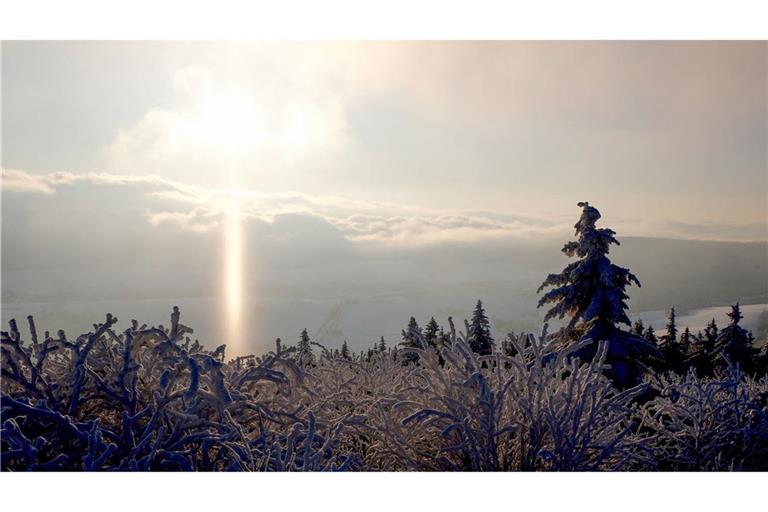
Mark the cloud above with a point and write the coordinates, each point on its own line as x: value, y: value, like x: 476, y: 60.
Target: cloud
x: 19, y: 181
x: 743, y: 232
x: 212, y: 117
x: 198, y: 220
x: 533, y: 126
x: 426, y: 228
x: 198, y: 209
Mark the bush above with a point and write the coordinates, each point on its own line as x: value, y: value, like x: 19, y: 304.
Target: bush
x: 151, y: 399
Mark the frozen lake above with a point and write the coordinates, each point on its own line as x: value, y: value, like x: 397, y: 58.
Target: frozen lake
x: 360, y: 318
x: 699, y: 318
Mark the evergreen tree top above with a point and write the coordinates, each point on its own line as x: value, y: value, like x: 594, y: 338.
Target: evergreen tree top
x: 733, y: 332
x: 345, y: 350
x: 412, y: 334
x: 305, y: 344
x: 639, y: 327
x: 591, y: 238
x: 591, y: 288
x: 735, y: 314
x: 430, y: 331
x: 478, y: 315
x: 480, y: 339
x: 671, y: 335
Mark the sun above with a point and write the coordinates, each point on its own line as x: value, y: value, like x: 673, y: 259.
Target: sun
x: 228, y: 122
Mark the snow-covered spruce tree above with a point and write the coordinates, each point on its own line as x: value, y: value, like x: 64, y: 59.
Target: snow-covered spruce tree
x: 650, y: 335
x: 382, y: 346
x: 734, y: 344
x: 344, y: 350
x: 685, y: 341
x: 674, y: 357
x: 591, y: 293
x: 671, y: 334
x: 702, y: 350
x: 480, y: 339
x: 711, y: 332
x: 431, y: 332
x: 638, y: 327
x: 304, y: 348
x: 412, y: 337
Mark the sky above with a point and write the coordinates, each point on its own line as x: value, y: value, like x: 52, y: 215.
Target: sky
x: 238, y: 155
x: 670, y: 138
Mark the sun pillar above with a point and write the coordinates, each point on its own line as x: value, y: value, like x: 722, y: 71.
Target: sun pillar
x: 233, y: 267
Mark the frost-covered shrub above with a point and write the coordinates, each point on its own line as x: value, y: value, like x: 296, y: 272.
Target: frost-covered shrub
x: 527, y: 412
x: 148, y: 399
x: 712, y: 424
x: 152, y: 399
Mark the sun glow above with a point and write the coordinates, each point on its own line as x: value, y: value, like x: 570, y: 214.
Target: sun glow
x: 227, y: 122
x: 231, y: 129
x: 233, y: 280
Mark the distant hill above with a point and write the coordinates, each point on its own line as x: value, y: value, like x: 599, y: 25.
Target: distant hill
x: 693, y: 274
x: 361, y: 293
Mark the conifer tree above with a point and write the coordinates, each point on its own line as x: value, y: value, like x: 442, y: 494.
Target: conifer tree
x: 431, y: 331
x: 590, y: 290
x: 701, y: 352
x: 304, y: 342
x: 638, y: 327
x: 442, y: 341
x: 673, y: 355
x: 671, y: 334
x: 480, y: 339
x: 382, y: 345
x: 345, y: 350
x: 700, y: 357
x: 650, y: 335
x: 305, y: 347
x: 734, y: 344
x: 686, y: 338
x: 591, y: 293
x: 412, y: 337
x: 710, y: 335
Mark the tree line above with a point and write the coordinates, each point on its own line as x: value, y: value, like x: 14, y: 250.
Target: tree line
x: 590, y: 297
